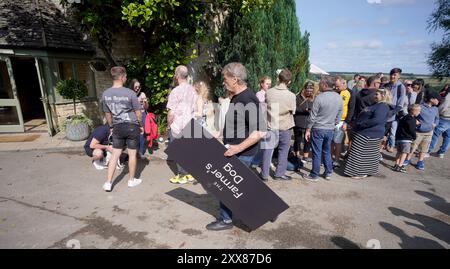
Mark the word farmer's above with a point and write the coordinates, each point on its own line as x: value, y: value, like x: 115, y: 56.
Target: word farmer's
x: 230, y: 184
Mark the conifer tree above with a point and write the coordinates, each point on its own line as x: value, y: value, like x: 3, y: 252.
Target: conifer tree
x: 264, y: 40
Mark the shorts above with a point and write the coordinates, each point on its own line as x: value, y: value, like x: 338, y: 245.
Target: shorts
x: 422, y: 142
x: 339, y: 134
x: 126, y: 134
x: 404, y: 147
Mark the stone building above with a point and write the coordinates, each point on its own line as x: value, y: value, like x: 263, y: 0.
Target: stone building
x: 38, y: 48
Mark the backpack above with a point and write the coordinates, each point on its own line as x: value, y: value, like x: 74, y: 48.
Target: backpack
x: 151, y: 129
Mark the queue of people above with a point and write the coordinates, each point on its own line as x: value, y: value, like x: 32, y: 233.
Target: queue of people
x: 337, y: 124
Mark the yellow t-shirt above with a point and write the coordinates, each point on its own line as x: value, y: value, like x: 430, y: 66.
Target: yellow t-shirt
x: 345, y: 94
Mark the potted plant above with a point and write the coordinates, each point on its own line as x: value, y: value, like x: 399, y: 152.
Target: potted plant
x: 76, y: 126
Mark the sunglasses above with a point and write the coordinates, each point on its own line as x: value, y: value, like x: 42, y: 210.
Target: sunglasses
x: 408, y: 85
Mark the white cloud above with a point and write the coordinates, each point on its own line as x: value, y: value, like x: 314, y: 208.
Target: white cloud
x: 332, y: 45
x: 383, y: 21
x: 391, y: 2
x: 365, y: 44
x: 414, y: 44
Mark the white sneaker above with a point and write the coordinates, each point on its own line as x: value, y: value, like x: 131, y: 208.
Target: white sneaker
x: 427, y: 155
x: 134, y: 182
x: 98, y: 165
x: 107, y: 186
x: 441, y: 156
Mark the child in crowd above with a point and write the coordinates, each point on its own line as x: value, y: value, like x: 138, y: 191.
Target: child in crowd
x: 427, y: 120
x: 406, y: 134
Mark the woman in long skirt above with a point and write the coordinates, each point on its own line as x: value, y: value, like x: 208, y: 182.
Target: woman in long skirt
x: 364, y: 154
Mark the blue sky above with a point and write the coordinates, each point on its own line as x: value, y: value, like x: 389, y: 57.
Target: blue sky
x: 368, y: 35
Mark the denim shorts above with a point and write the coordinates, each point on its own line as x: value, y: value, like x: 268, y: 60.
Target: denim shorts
x: 404, y: 146
x: 126, y: 134
x: 339, y: 134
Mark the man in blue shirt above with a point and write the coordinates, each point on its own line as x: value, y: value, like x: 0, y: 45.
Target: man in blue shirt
x: 97, y: 146
x: 398, y: 92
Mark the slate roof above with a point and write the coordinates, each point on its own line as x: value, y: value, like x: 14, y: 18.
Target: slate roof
x: 38, y: 24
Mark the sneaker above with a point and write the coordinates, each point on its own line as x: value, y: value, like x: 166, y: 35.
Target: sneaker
x: 336, y: 164
x: 119, y: 165
x: 441, y: 156
x: 107, y: 186
x: 219, y: 225
x: 98, y: 165
x: 310, y: 178
x: 381, y: 157
x: 308, y: 160
x: 427, y: 155
x: 134, y: 182
x: 420, y: 165
x: 175, y: 179
x: 183, y: 180
x: 190, y: 178
x: 327, y: 177
x: 303, y: 161
x: 406, y: 163
x: 402, y: 169
x: 395, y: 168
x: 285, y: 177
x: 359, y: 177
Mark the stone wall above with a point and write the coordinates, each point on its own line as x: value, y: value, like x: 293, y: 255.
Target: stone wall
x: 126, y: 46
x: 89, y: 108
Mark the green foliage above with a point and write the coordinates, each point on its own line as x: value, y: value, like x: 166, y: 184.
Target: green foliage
x: 72, y: 89
x: 169, y: 29
x: 439, y: 59
x: 75, y: 120
x: 161, y: 120
x: 264, y: 40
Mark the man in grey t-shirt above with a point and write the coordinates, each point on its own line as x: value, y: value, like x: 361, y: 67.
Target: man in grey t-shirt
x: 123, y: 113
x: 325, y: 115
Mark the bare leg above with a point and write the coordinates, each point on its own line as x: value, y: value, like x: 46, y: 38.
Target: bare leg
x: 112, y: 163
x: 422, y: 156
x: 337, y: 151
x: 97, y: 155
x: 132, y: 161
x: 409, y: 156
x: 402, y: 159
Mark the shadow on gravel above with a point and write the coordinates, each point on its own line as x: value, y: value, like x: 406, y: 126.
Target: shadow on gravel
x: 438, y: 228
x: 409, y: 242
x: 205, y: 202
x: 344, y: 243
x: 140, y: 167
x: 436, y: 202
x: 433, y: 226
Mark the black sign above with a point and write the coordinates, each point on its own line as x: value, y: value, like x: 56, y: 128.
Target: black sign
x: 228, y: 179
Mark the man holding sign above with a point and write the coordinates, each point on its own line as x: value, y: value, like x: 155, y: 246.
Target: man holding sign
x: 242, y: 130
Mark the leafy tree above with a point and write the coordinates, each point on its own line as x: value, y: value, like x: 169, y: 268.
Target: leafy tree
x: 439, y: 59
x: 72, y: 89
x: 169, y: 29
x: 264, y: 40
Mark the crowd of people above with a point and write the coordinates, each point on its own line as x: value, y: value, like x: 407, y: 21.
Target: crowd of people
x: 333, y: 123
